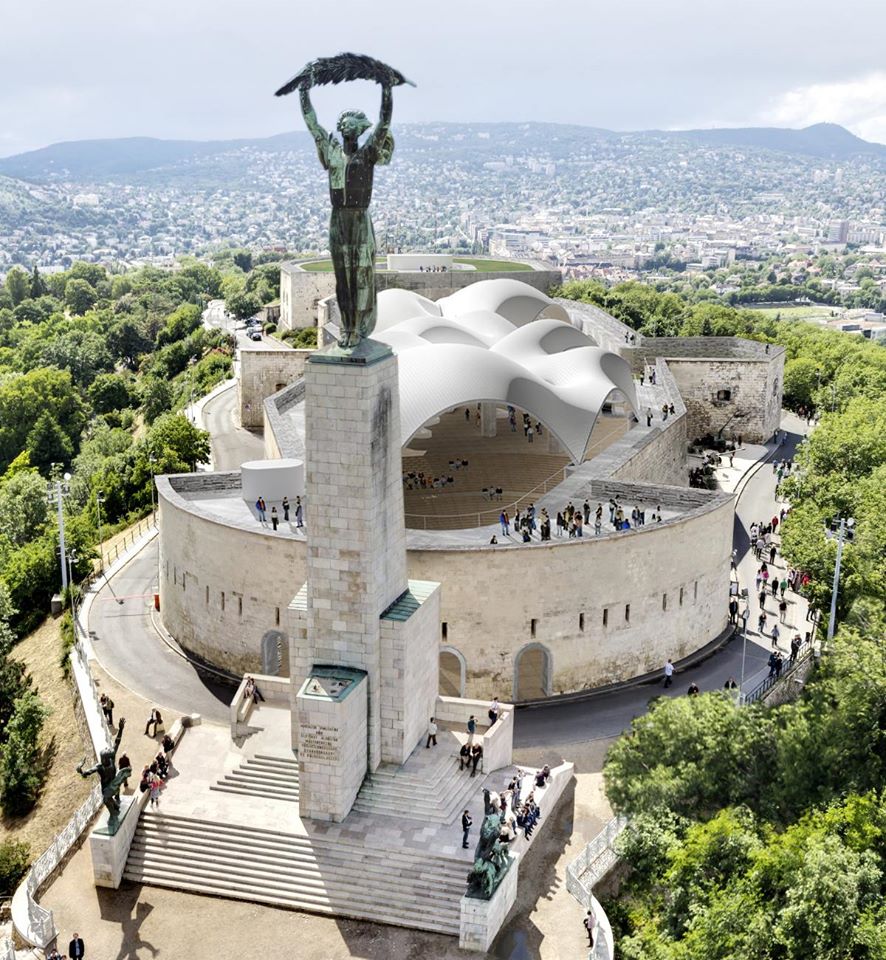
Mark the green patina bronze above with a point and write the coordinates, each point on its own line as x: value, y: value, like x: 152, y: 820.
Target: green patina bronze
x: 351, y: 166
x: 491, y: 858
x: 111, y: 778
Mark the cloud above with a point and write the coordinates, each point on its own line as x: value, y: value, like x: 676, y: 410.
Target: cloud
x: 858, y: 104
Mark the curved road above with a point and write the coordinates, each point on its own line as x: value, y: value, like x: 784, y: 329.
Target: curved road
x: 231, y: 444
x: 130, y: 649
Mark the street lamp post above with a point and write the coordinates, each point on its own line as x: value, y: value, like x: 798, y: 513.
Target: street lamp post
x: 745, y: 616
x: 152, y: 460
x: 72, y: 559
x: 99, y: 500
x: 845, y: 531
x: 56, y: 493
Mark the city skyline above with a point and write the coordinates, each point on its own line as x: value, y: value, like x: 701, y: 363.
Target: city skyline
x: 197, y: 72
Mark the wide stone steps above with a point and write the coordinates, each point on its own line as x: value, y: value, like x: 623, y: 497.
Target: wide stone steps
x: 262, y: 776
x: 437, y: 801
x: 343, y: 878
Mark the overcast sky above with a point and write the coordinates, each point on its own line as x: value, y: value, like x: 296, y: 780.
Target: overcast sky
x: 207, y: 69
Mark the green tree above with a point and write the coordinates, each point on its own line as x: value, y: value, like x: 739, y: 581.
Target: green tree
x: 243, y: 305
x: 15, y: 858
x: 801, y: 379
x: 48, y: 443
x: 21, y: 768
x: 38, y: 285
x: 80, y: 297
x: 23, y: 506
x: 18, y: 284
x: 109, y: 392
x: 155, y: 396
x: 175, y: 439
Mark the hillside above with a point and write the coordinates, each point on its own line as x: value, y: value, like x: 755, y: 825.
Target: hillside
x: 98, y: 160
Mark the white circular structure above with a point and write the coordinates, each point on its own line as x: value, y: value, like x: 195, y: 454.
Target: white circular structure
x: 272, y: 479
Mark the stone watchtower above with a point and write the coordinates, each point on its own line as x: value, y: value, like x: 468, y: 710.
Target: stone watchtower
x: 363, y: 639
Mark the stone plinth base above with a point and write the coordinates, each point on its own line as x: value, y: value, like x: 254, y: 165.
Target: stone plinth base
x: 332, y: 751
x: 110, y: 851
x: 482, y: 919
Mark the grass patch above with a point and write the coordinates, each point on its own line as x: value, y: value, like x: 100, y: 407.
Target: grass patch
x: 802, y: 312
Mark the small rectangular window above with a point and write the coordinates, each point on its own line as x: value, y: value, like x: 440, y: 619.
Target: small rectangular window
x: 207, y: 594
x: 444, y: 629
x: 239, y: 606
x: 184, y: 580
x: 175, y: 576
x: 532, y: 625
x: 605, y: 617
x: 724, y: 394
x: 222, y: 599
x: 277, y: 617
x: 681, y: 596
x: 664, y: 602
x: 627, y: 613
x: 581, y: 622
x: 695, y: 591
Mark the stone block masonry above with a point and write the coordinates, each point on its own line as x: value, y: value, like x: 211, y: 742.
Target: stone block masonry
x: 263, y: 373
x: 356, y: 553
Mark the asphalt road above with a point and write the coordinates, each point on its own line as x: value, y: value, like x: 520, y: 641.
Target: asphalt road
x: 128, y: 647
x: 231, y: 444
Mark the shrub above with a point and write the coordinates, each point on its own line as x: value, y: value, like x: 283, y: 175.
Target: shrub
x: 15, y: 858
x: 21, y: 770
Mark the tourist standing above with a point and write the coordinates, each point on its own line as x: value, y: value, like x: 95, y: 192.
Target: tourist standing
x: 466, y: 823
x: 299, y: 513
x: 668, y: 674
x: 285, y: 506
x: 154, y: 720
x: 494, y: 709
x: 505, y: 522
x: 590, y: 924
x: 260, y: 510
x: 274, y: 518
x: 472, y: 728
x: 476, y: 756
x: 76, y: 949
x: 156, y: 783
x: 107, y: 708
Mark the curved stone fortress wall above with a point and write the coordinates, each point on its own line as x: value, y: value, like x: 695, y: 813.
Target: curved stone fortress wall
x: 598, y: 609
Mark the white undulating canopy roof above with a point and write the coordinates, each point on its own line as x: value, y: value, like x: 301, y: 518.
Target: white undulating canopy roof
x: 500, y: 341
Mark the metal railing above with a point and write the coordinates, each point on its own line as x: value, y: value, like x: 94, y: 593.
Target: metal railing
x: 768, y: 683
x: 483, y: 517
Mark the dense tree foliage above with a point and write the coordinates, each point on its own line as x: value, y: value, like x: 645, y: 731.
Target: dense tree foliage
x: 94, y: 371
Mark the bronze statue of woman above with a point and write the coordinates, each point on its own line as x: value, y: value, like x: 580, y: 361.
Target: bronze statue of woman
x: 351, y: 165
x: 351, y: 238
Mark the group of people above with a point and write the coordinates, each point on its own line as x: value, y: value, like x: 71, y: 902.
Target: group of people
x: 515, y: 811
x: 261, y: 509
x: 421, y: 481
x: 155, y: 774
x: 441, y: 268
x: 572, y: 521
x: 647, y: 373
x: 667, y: 410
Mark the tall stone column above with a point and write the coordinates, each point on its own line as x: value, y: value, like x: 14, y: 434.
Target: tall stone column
x: 488, y: 419
x: 356, y: 540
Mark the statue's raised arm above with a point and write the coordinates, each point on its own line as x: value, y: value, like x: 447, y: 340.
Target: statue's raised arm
x: 350, y: 167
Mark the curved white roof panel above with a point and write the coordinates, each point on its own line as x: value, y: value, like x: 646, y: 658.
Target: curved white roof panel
x: 486, y: 343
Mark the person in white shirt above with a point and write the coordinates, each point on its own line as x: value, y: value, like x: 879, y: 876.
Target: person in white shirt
x: 494, y: 710
x: 668, y: 674
x: 432, y: 733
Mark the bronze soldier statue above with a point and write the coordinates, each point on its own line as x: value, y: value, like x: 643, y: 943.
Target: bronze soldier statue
x: 111, y: 778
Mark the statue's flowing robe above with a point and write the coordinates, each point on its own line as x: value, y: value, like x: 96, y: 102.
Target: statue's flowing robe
x: 351, y: 237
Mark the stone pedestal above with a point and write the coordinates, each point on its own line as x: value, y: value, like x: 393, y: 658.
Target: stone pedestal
x: 482, y: 919
x: 332, y: 751
x: 110, y: 851
x: 357, y: 609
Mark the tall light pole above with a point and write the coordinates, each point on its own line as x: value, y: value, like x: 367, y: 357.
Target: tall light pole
x: 99, y: 500
x: 72, y: 559
x: 845, y: 531
x: 745, y: 616
x: 152, y: 460
x: 56, y: 494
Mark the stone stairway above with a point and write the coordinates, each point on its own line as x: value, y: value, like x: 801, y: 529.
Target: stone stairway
x: 436, y: 795
x: 335, y: 876
x: 263, y: 776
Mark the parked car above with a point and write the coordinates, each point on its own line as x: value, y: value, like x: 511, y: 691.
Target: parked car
x: 254, y: 333
x: 253, y: 322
